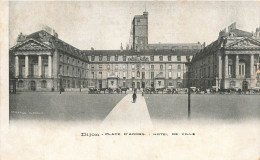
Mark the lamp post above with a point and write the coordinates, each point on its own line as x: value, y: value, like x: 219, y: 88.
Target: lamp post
x: 188, y: 63
x: 80, y: 80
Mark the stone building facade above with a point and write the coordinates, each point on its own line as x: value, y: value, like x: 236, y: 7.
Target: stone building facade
x: 148, y: 68
x: 43, y: 62
x: 232, y: 61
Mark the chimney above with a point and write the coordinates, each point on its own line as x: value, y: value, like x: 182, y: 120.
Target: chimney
x: 145, y: 14
x: 232, y: 27
x: 121, y: 48
x: 92, y: 48
x: 257, y: 32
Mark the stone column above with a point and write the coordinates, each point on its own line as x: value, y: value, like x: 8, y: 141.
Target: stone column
x: 226, y: 66
x: 219, y: 67
x: 252, y: 66
x: 39, y: 65
x: 237, y: 66
x: 16, y: 66
x: 49, y: 66
x: 26, y: 66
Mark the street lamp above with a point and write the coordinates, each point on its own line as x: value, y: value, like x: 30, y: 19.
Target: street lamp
x: 188, y: 63
x: 80, y: 80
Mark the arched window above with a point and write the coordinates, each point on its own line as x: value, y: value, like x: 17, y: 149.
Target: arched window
x: 44, y: 84
x: 138, y: 74
x: 20, y: 84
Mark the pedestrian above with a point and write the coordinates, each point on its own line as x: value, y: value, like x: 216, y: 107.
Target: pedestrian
x: 60, y: 90
x: 134, y: 97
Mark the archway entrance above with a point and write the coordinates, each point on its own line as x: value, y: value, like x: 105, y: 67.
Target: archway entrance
x: 245, y: 85
x: 32, y: 86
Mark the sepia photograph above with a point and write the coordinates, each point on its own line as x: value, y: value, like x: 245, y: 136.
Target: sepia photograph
x: 179, y: 74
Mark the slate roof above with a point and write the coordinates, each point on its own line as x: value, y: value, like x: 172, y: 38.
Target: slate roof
x: 55, y: 42
x: 240, y: 33
x: 211, y: 48
x: 143, y: 52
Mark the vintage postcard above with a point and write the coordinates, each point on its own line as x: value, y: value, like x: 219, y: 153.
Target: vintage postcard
x: 130, y: 80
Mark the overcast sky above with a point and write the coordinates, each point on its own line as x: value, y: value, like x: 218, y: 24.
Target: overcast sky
x: 104, y: 25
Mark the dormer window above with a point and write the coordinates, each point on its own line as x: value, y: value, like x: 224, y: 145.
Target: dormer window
x: 161, y: 58
x: 100, y: 58
x: 169, y: 58
x: 152, y: 58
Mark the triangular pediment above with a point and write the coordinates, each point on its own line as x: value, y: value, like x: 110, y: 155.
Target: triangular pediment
x: 245, y: 43
x: 31, y: 44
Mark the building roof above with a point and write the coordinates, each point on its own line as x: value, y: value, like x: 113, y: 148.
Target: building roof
x: 241, y: 33
x: 211, y: 48
x: 55, y: 43
x: 142, y: 52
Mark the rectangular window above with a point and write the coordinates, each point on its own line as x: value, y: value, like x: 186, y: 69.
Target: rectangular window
x: 178, y: 58
x: 242, y: 69
x: 108, y: 58
x: 143, y: 67
x: 152, y: 75
x: 100, y: 66
x: 100, y: 58
x: 93, y: 74
x: 61, y: 57
x: 124, y: 58
x: 170, y: 67
x: 60, y: 69
x: 143, y: 75
x: 116, y: 58
x: 179, y: 66
x: 152, y: 66
x: 161, y: 66
x: 133, y: 66
x: 100, y: 74
x: 124, y: 75
x: 116, y: 73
